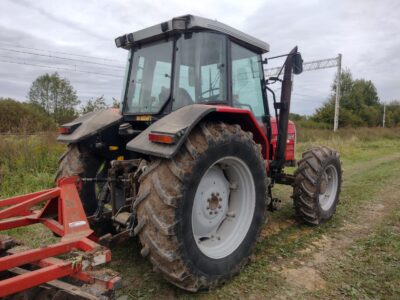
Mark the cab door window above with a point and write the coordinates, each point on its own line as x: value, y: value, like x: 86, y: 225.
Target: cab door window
x: 246, y: 80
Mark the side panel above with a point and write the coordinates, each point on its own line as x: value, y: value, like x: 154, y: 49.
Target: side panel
x: 182, y: 121
x: 91, y: 124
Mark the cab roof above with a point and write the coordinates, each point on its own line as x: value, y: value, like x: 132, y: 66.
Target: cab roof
x: 187, y: 23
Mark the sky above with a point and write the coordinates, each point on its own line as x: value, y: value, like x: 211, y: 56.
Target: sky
x: 78, y: 38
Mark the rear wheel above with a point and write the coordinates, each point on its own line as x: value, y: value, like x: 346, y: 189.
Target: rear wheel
x: 199, y: 214
x: 317, y: 185
x: 78, y: 161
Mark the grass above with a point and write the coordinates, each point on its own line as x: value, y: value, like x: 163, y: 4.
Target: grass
x: 371, y: 267
x: 371, y: 158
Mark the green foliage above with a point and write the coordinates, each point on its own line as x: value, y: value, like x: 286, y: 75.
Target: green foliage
x: 28, y: 163
x: 56, y: 96
x: 26, y: 118
x: 393, y: 114
x: 359, y: 103
x: 116, y: 103
x: 94, y: 105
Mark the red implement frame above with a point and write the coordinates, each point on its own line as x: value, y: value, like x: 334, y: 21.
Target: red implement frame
x: 63, y: 214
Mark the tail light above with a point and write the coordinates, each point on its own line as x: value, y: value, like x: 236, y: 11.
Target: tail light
x: 68, y: 129
x: 163, y: 138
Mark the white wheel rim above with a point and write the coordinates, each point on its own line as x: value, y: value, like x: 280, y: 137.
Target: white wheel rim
x: 223, y: 207
x: 329, y: 187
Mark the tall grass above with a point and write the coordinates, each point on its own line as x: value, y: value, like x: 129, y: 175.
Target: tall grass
x: 27, y: 163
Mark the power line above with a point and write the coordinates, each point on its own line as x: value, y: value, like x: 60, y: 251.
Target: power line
x: 61, y: 52
x: 64, y: 58
x: 59, y: 68
x: 76, y: 66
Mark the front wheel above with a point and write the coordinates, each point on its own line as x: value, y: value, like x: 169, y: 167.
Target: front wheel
x: 200, y: 213
x: 318, y: 180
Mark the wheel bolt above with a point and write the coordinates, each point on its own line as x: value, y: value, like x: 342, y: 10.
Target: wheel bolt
x: 210, y: 212
x: 219, y: 199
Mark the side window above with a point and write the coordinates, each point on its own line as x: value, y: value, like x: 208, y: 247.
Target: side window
x: 161, y: 84
x: 246, y: 80
x: 138, y: 81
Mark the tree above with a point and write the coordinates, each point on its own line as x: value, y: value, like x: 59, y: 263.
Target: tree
x: 116, y: 103
x: 393, y: 114
x: 22, y: 117
x: 55, y: 95
x: 94, y: 105
x: 359, y: 103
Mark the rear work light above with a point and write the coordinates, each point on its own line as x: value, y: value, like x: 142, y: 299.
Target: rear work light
x: 164, y: 138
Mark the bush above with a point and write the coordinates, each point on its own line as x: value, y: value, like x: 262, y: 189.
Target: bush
x: 26, y: 118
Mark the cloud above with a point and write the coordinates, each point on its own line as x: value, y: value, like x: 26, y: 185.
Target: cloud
x: 364, y: 31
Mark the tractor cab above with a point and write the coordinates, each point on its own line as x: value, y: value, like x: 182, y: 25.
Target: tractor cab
x: 192, y: 60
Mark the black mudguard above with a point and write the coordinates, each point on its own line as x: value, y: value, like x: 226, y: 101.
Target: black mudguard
x: 179, y: 123
x: 91, y: 124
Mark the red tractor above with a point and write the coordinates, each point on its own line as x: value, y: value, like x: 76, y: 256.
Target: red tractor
x: 189, y: 162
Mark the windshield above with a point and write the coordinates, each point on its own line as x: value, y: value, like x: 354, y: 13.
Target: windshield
x: 200, y: 72
x: 150, y: 78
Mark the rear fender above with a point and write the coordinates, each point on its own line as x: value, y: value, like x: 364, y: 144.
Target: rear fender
x: 181, y: 122
x: 91, y: 124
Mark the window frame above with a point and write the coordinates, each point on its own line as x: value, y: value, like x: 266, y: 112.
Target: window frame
x: 262, y: 76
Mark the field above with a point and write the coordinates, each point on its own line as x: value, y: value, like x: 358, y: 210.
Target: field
x: 354, y: 255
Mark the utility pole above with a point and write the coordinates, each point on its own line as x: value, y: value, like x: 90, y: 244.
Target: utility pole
x: 339, y: 71
x: 384, y: 115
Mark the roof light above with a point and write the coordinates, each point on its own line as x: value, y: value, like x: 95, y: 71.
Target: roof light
x: 120, y: 41
x: 163, y: 138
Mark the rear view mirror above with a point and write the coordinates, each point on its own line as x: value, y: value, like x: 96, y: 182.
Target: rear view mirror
x: 297, y: 63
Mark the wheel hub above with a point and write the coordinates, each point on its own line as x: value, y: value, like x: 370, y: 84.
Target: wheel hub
x: 214, y: 201
x: 328, y: 187
x: 223, y: 207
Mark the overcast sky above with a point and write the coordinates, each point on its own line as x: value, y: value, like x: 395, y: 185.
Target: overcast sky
x: 366, y: 32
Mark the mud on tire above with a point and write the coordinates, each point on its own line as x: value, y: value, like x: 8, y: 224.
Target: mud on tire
x: 317, y: 185
x: 165, y: 202
x: 77, y: 160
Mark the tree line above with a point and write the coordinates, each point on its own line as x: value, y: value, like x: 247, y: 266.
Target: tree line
x: 360, y: 105
x: 52, y: 100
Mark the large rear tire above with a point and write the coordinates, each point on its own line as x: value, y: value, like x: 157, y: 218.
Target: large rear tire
x: 318, y: 181
x: 78, y: 161
x: 200, y: 214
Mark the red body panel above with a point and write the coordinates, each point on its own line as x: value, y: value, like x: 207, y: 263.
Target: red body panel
x: 290, y: 143
x: 248, y: 122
